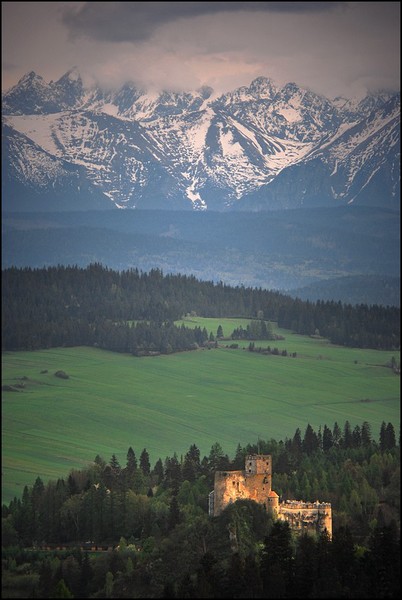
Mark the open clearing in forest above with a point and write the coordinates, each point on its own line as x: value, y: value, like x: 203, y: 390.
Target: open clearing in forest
x: 166, y: 403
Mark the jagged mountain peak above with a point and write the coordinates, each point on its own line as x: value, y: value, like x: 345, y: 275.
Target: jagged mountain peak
x: 29, y: 81
x: 28, y: 78
x: 205, y: 91
x: 71, y: 78
x: 260, y: 89
x: 263, y: 86
x: 69, y: 89
x: 374, y: 101
x: 31, y: 95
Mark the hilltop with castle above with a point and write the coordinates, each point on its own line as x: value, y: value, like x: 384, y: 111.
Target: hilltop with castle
x: 255, y: 483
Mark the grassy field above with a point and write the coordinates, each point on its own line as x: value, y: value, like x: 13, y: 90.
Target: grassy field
x: 166, y: 403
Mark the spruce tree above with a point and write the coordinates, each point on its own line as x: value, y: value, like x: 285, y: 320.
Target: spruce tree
x: 145, y: 465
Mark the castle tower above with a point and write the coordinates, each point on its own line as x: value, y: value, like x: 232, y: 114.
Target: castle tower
x: 258, y: 477
x: 258, y: 464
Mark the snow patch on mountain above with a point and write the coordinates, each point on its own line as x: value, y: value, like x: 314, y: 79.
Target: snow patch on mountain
x: 110, y: 109
x: 290, y: 114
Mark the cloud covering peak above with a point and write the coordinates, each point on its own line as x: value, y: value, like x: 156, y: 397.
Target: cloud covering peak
x: 332, y: 48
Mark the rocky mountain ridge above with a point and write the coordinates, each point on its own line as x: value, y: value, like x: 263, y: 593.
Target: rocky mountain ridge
x: 260, y: 147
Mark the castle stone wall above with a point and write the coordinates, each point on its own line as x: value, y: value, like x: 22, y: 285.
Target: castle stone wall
x: 254, y: 483
x: 306, y: 515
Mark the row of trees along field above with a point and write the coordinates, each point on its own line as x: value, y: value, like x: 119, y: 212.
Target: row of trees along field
x: 68, y: 306
x: 163, y: 544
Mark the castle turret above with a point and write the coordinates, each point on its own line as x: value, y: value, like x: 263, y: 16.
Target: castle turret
x: 273, y: 501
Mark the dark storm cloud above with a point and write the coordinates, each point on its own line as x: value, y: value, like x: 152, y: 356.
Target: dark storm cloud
x: 136, y: 21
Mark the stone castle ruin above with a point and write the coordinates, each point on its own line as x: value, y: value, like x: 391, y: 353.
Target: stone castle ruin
x: 255, y: 483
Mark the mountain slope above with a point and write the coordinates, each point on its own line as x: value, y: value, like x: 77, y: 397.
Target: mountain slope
x: 258, y: 147
x: 37, y: 180
x: 356, y: 289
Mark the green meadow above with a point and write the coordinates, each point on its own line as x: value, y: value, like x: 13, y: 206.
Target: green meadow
x: 166, y: 403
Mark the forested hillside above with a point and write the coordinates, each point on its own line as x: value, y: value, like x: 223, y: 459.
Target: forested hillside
x: 159, y: 542
x: 279, y: 250
x: 133, y: 311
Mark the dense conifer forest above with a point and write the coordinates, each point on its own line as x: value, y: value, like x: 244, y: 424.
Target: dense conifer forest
x: 154, y: 538
x: 132, y: 311
x: 150, y: 523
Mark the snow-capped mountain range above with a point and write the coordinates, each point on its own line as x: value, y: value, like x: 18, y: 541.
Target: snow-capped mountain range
x: 258, y: 147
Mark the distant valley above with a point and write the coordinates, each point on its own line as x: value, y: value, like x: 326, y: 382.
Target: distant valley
x: 349, y: 254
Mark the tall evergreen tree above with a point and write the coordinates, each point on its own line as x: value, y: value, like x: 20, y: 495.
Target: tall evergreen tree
x: 173, y: 476
x: 327, y: 439
x: 337, y: 435
x: 310, y: 440
x: 131, y: 461
x: 158, y: 472
x: 217, y: 459
x: 191, y: 464
x: 347, y: 436
x: 297, y: 444
x: 366, y: 434
x: 145, y: 465
x: 356, y: 437
x: 390, y: 437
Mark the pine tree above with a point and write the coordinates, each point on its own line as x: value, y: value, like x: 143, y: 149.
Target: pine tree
x: 173, y: 476
x: 327, y: 439
x: 357, y: 437
x: 347, y: 436
x: 131, y: 461
x: 366, y: 434
x: 217, y: 459
x: 114, y: 463
x: 383, y: 437
x: 297, y: 445
x: 157, y: 472
x: 145, y: 465
x: 191, y: 464
x: 390, y: 437
x: 310, y: 440
x: 337, y: 435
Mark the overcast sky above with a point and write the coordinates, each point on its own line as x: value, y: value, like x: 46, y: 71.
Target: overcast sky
x: 333, y: 48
